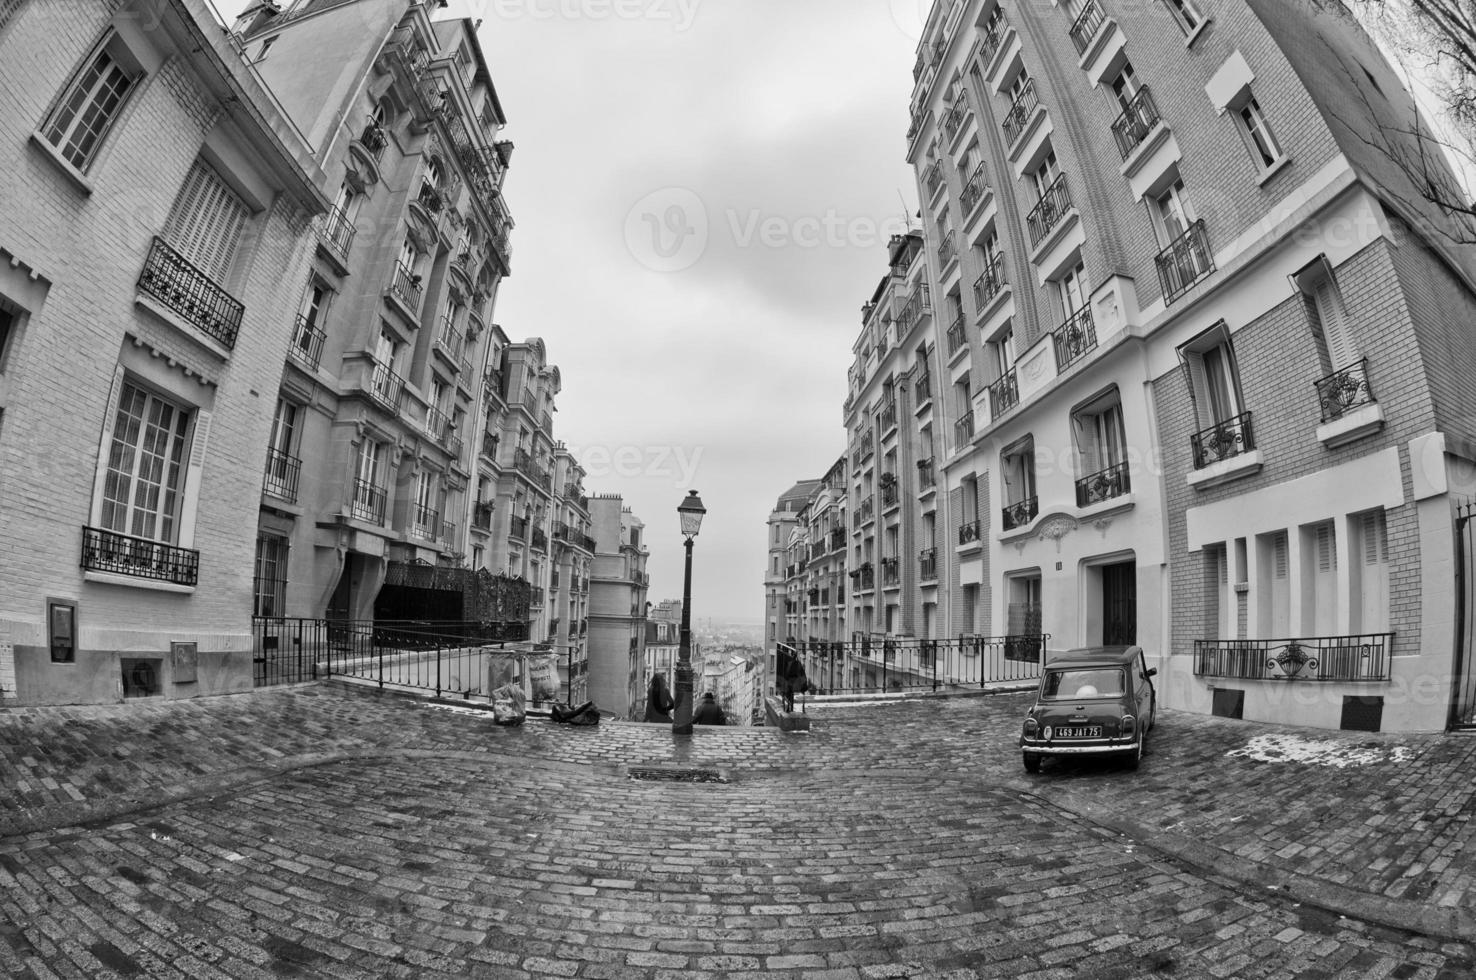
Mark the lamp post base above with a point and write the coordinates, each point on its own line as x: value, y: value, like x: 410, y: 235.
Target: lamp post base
x: 681, y: 715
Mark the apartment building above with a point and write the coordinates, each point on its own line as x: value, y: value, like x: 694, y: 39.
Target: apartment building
x: 618, y: 587
x: 156, y: 198
x: 781, y: 610
x: 819, y: 550
x: 1201, y: 355
x: 568, y: 589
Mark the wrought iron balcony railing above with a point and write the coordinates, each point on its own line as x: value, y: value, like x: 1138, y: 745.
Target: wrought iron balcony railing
x: 891, y: 571
x: 374, y: 139
x: 1223, y: 440
x: 963, y: 429
x: 1074, y: 338
x: 1020, y: 513
x: 993, y: 35
x: 990, y: 281
x: 975, y: 190
x: 947, y: 249
x: 927, y: 475
x: 1004, y: 394
x: 1345, y: 390
x: 430, y: 197
x: 1049, y: 210
x: 922, y: 389
x: 1103, y: 485
x: 889, y: 416
x: 540, y: 539
x: 971, y: 532
x: 369, y: 500
x: 518, y: 528
x: 953, y: 122
x: 1086, y: 26
x: 177, y: 283
x: 837, y: 539
x: 1020, y: 111
x: 307, y: 343
x: 1362, y: 657
x: 425, y: 523
x: 407, y: 286
x: 387, y: 387
x: 957, y: 334
x: 123, y: 554
x: 489, y: 446
x: 1186, y: 261
x: 934, y: 177
x: 1135, y: 123
x: 865, y: 577
x: 482, y: 517
x: 889, y: 495
x: 927, y: 564
x: 338, y: 231
x: 918, y: 303
x: 451, y: 341
x: 282, y: 474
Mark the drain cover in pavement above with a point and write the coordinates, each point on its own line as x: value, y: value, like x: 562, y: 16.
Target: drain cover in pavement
x: 679, y: 775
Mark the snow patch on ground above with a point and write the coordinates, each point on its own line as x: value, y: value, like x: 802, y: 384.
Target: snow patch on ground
x: 1318, y: 752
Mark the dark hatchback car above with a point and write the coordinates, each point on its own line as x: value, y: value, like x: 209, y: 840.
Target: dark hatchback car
x: 1092, y: 701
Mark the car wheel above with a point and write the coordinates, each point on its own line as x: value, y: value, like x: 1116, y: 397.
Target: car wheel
x: 1136, y: 755
x: 1032, y: 762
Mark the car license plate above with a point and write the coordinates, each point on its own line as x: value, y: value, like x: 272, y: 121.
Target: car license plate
x: 1094, y: 731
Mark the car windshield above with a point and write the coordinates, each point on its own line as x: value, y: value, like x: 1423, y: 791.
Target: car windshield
x: 1086, y: 682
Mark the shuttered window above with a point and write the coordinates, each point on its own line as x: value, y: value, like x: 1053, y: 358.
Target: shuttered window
x: 1375, y: 538
x: 1279, y: 559
x: 1327, y: 549
x: 206, y: 222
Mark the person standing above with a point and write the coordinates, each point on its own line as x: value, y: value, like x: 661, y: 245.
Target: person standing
x: 709, y: 712
x: 658, y: 701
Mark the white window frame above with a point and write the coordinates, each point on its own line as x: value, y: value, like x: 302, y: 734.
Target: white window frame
x: 272, y: 554
x: 1213, y: 376
x: 1255, y: 130
x: 1167, y: 207
x: 1186, y: 14
x: 146, y: 464
x: 1101, y: 433
x: 101, y: 84
x: 1017, y: 469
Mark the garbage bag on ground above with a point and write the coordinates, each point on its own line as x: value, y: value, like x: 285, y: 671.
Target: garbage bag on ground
x: 508, y: 706
x: 584, y: 714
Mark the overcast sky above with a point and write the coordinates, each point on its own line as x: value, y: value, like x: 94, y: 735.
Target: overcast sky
x: 703, y: 191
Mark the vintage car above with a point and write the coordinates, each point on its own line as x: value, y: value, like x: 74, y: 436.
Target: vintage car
x: 1092, y: 701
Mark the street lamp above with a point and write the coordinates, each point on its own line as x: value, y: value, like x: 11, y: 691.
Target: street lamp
x: 690, y: 511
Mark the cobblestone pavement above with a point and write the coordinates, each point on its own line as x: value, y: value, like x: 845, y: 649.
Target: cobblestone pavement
x: 318, y: 832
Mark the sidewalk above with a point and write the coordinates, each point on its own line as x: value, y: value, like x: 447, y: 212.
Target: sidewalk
x: 1378, y: 827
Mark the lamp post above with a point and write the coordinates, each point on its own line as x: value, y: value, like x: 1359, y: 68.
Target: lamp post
x: 690, y: 511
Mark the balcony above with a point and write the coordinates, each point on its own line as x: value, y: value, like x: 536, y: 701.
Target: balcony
x: 993, y: 36
x: 406, y: 286
x: 957, y: 335
x: 489, y: 446
x: 866, y: 511
x: 338, y: 231
x: 975, y: 190
x: 990, y: 281
x: 1222, y: 441
x: 368, y: 503
x: 889, y: 416
x: 1004, y: 394
x: 451, y: 343
x: 927, y: 474
x: 1343, y: 391
x: 282, y: 473
x: 865, y: 577
x: 922, y: 389
x: 947, y: 250
x: 1365, y: 657
x: 934, y: 177
x: 387, y: 387
x: 1020, y: 112
x: 430, y: 197
x: 918, y: 303
x: 1074, y: 338
x: 518, y: 529
x: 891, y: 571
x: 963, y: 430
x: 889, y: 495
x: 1049, y: 210
x: 972, y: 532
x: 121, y: 554
x: 1104, y: 485
x: 482, y: 518
x: 953, y: 121
x: 174, y: 281
x: 374, y: 139
x: 927, y: 564
x: 1137, y: 120
x: 838, y: 539
x: 307, y: 343
x: 1019, y: 513
x: 1186, y: 261
x: 1086, y: 26
x: 425, y: 523
x: 540, y: 539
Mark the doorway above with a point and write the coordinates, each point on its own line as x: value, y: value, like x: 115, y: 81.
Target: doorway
x: 1120, y: 604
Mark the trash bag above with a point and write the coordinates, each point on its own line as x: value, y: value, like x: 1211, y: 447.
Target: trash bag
x: 543, y: 677
x: 584, y: 714
x: 508, y: 706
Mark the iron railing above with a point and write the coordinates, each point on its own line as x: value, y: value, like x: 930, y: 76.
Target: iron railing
x: 425, y: 523
x: 1020, y: 513
x: 975, y: 190
x: 971, y: 532
x: 1020, y: 112
x: 1137, y: 120
x: 927, y: 475
x: 927, y: 564
x: 124, y: 554
x: 891, y: 571
x: 947, y: 249
x: 953, y: 121
x: 963, y: 429
x: 180, y: 285
x: 889, y: 495
x: 451, y: 341
x: 518, y: 528
x: 307, y: 343
x: 1049, y: 210
x: 918, y: 303
x: 387, y: 386
x: 282, y: 473
x: 1361, y: 657
x: 1186, y: 261
x: 374, y: 140
x: 957, y: 335
x: 993, y: 35
x: 934, y: 177
x: 990, y: 281
x: 1004, y: 394
x: 369, y: 501
x: 1223, y: 440
x: 489, y: 446
x: 1103, y: 485
x: 922, y: 389
x: 1086, y: 25
x: 889, y: 415
x: 437, y: 423
x: 871, y: 663
x: 865, y: 577
x: 1344, y: 390
x: 1074, y: 338
x: 407, y: 286
x: 338, y: 230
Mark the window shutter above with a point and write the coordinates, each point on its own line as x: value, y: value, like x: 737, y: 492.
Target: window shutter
x: 1327, y: 551
x: 1334, y: 325
x: 1375, y: 538
x: 206, y: 222
x: 1279, y: 555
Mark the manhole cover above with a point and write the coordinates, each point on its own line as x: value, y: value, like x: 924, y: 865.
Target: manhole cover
x: 679, y: 775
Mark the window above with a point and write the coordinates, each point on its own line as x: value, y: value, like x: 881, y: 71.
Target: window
x: 1023, y: 616
x: 266, y: 45
x: 7, y: 326
x: 425, y: 517
x: 1370, y: 572
x: 1017, y: 466
x: 206, y: 222
x: 1101, y: 444
x: 1125, y: 85
x: 368, y: 496
x: 270, y: 585
x: 1171, y: 213
x: 1327, y: 315
x: 1209, y: 362
x: 1002, y: 351
x: 1256, y: 132
x: 145, y: 469
x: 1071, y: 290
x: 282, y: 465
x: 1044, y: 175
x: 92, y: 103
x: 1275, y: 586
x: 1186, y: 14
x: 1320, y: 580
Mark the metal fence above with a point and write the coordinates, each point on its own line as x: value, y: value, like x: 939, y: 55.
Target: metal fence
x: 878, y: 664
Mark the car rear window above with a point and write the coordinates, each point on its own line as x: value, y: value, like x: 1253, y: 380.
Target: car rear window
x: 1087, y: 682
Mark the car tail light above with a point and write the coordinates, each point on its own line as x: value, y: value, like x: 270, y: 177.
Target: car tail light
x: 1129, y: 726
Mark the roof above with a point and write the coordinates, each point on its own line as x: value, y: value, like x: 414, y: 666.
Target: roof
x: 1093, y: 655
x: 798, y: 494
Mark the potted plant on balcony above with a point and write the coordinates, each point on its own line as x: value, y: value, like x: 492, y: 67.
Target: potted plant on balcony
x: 374, y: 138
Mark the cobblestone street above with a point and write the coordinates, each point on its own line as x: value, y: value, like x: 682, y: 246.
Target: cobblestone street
x: 321, y: 832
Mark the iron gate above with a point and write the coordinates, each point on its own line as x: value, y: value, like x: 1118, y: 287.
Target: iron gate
x: 1463, y: 678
